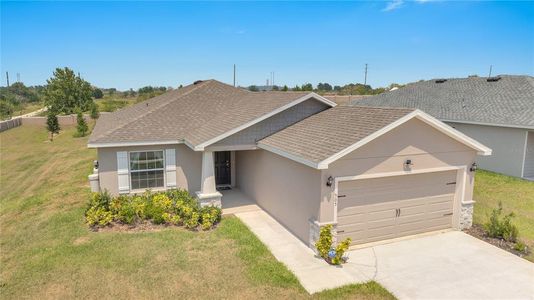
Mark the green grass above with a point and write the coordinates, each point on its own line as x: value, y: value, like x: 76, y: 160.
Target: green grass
x: 516, y: 195
x: 48, y: 252
x: 113, y: 103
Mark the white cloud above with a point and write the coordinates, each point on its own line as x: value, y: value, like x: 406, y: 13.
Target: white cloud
x: 392, y: 5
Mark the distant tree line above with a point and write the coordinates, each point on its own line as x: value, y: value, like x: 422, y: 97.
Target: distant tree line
x: 323, y: 88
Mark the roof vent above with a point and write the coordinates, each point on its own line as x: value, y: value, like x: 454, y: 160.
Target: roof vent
x: 493, y: 79
x: 442, y: 80
x: 197, y: 82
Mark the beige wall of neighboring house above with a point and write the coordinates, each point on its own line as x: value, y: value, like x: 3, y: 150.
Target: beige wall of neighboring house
x: 508, y: 145
x: 188, y: 166
x: 287, y: 190
x: 528, y: 171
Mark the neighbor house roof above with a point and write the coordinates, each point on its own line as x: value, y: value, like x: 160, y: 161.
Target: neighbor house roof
x: 508, y: 101
x: 329, y: 135
x: 198, y: 115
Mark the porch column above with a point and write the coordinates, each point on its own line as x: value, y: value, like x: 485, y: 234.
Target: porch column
x: 208, y: 194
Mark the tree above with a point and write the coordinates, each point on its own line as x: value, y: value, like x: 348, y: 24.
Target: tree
x: 52, y: 124
x: 296, y: 88
x: 324, y: 87
x: 285, y: 88
x: 66, y: 92
x: 81, y: 127
x: 276, y: 88
x: 253, y: 88
x: 97, y: 93
x: 94, y: 111
x: 6, y: 109
x: 307, y: 87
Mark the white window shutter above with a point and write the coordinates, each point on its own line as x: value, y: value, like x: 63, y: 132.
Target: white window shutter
x: 170, y: 168
x: 122, y: 172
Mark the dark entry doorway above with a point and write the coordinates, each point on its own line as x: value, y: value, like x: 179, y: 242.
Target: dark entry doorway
x: 222, y: 168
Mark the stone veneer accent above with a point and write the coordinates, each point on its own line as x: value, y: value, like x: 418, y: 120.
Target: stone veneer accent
x: 315, y: 230
x: 466, y: 214
x: 209, y: 200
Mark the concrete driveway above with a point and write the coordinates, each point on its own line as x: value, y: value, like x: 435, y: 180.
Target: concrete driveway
x: 449, y: 265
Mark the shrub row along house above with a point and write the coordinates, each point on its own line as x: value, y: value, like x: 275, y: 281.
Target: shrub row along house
x: 374, y: 173
x: 497, y: 111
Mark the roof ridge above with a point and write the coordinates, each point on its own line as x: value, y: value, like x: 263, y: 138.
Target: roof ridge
x: 151, y: 110
x: 381, y: 107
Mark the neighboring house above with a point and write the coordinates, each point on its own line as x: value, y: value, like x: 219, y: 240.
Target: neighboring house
x: 497, y: 111
x: 377, y: 173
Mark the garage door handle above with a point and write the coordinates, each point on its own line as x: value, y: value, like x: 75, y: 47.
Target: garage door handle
x: 449, y: 214
x: 340, y: 231
x: 341, y: 196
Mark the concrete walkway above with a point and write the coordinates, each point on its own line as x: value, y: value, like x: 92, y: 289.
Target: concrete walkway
x: 450, y: 265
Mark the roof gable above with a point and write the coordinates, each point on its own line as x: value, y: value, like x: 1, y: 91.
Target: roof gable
x: 197, y: 115
x: 332, y: 134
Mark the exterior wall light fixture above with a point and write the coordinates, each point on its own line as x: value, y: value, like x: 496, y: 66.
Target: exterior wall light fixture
x: 474, y: 167
x: 329, y: 181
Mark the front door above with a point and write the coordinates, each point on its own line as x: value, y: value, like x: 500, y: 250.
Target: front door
x: 222, y: 168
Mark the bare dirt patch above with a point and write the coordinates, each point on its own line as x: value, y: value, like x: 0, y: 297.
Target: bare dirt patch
x: 479, y: 232
x: 81, y: 240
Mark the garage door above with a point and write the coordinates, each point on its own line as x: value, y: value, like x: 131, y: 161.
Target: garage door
x: 383, y: 208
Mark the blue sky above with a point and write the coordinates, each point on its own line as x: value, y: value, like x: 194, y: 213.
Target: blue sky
x: 133, y: 44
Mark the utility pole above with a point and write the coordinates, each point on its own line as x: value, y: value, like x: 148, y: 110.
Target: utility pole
x: 491, y: 66
x: 7, y: 78
x: 272, y: 81
x: 365, y: 80
x: 234, y: 75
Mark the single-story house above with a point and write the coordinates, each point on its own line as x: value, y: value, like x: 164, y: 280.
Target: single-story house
x: 375, y: 173
x: 497, y: 111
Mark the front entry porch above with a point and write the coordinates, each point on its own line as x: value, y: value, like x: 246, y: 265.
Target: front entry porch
x: 234, y: 201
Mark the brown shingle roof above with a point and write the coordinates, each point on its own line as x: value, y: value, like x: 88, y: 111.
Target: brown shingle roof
x: 195, y: 113
x: 322, y: 135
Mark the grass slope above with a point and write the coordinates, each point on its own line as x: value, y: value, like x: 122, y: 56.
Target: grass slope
x: 48, y: 252
x: 516, y: 195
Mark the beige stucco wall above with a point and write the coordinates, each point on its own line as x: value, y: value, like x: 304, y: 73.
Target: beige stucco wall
x: 508, y: 145
x: 287, y: 190
x: 425, y: 146
x: 188, y: 166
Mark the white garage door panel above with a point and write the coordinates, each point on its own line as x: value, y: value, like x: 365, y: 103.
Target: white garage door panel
x: 367, y: 209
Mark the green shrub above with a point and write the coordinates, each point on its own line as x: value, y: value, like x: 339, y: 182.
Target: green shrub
x: 162, y: 201
x: 100, y: 200
x: 98, y: 216
x: 324, y: 243
x: 500, y: 226
x: 131, y: 210
x: 341, y: 248
x: 192, y: 221
x: 520, y: 246
x: 175, y: 207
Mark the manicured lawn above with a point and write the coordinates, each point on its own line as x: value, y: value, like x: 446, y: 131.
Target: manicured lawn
x: 516, y: 195
x: 47, y: 251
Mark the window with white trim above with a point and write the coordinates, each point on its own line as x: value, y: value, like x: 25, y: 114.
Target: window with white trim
x: 147, y: 169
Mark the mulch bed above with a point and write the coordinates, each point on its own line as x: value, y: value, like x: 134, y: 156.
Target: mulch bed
x: 479, y: 232
x: 142, y: 226
x: 138, y: 227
